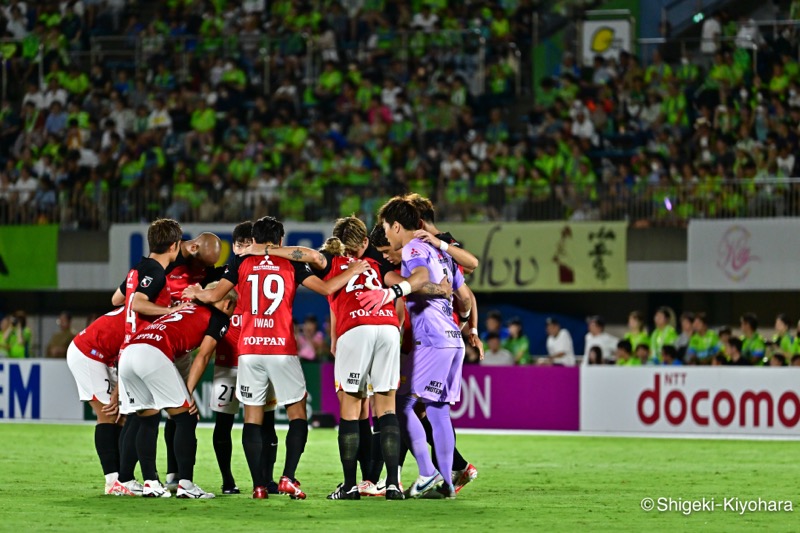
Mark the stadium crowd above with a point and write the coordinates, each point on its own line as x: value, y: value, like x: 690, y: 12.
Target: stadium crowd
x: 227, y: 110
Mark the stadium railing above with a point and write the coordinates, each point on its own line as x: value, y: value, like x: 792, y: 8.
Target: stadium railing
x: 642, y: 204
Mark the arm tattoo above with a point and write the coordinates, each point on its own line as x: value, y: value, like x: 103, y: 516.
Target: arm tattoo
x: 433, y: 289
x: 297, y: 255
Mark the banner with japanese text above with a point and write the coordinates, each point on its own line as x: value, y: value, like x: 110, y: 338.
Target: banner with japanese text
x: 546, y: 256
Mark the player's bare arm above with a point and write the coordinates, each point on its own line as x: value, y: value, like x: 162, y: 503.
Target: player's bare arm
x: 300, y: 254
x: 400, y: 312
x: 142, y: 304
x: 326, y: 288
x: 199, y: 365
x: 208, y: 296
x: 375, y: 299
x: 118, y: 298
x: 334, y: 337
x: 471, y: 323
x: 461, y: 256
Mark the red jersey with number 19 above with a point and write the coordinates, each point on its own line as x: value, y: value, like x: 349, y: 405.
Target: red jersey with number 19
x: 102, y: 339
x: 266, y: 287
x: 180, y: 332
x: 346, y: 307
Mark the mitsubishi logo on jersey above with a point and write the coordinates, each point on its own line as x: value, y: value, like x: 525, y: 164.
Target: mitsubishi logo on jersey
x: 266, y: 261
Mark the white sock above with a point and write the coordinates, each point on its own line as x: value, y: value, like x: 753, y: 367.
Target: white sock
x: 186, y: 484
x: 111, y: 478
x: 171, y: 478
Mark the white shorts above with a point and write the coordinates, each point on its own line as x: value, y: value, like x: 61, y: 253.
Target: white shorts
x: 150, y: 379
x: 224, y: 391
x: 368, y: 359
x: 184, y: 365
x: 95, y: 380
x: 265, y: 378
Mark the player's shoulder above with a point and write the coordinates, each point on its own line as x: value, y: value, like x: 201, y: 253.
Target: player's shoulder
x: 416, y: 248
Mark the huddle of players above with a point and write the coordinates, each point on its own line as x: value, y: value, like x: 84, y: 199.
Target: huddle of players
x: 156, y: 373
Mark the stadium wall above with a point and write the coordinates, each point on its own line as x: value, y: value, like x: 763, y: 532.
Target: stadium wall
x: 621, y: 401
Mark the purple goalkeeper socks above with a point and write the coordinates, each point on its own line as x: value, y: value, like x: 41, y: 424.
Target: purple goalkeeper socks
x: 443, y: 437
x: 416, y: 435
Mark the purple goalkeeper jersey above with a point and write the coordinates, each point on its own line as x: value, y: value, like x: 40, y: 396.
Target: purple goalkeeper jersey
x: 431, y: 318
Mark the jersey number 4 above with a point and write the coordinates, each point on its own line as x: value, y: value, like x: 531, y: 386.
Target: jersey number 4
x: 273, y: 288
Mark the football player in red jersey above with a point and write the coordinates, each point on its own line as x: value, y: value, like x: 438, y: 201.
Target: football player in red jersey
x: 367, y: 348
x: 153, y: 383
x: 223, y: 400
x: 92, y: 357
x: 194, y: 264
x: 463, y: 471
x: 146, y: 297
x: 268, y: 359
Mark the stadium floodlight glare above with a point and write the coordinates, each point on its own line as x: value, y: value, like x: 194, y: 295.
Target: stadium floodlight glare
x: 698, y: 17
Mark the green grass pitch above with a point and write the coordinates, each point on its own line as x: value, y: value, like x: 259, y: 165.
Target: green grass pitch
x: 50, y: 480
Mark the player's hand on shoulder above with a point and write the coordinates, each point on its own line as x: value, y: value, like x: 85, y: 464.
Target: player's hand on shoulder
x: 357, y: 267
x: 426, y: 236
x: 447, y: 287
x: 191, y: 292
x: 255, y: 249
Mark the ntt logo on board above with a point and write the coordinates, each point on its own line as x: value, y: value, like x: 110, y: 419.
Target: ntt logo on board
x: 707, y: 407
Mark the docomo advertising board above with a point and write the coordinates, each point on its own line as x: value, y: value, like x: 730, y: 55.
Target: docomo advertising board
x: 711, y: 400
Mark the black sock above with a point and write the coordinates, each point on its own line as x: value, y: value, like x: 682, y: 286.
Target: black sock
x: 349, y: 437
x: 185, y: 444
x: 403, y: 452
x: 390, y: 445
x: 146, y: 445
x: 107, y: 447
x: 269, y: 449
x: 376, y: 459
x: 429, y: 438
x: 364, y: 447
x: 128, y: 456
x: 169, y: 439
x: 295, y: 446
x: 251, y: 442
x: 223, y: 447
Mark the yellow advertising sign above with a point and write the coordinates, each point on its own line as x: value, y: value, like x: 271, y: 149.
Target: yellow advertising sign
x: 546, y: 256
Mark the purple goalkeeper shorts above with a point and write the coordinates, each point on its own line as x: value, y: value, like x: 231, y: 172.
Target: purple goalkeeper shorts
x: 433, y: 374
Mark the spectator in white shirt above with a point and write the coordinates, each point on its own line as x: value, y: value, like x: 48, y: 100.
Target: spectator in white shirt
x: 54, y: 93
x: 710, y: 34
x: 560, y: 350
x: 159, y: 116
x: 17, y: 24
x: 425, y: 20
x: 583, y: 128
x: 597, y: 336
x: 33, y: 94
x: 495, y: 354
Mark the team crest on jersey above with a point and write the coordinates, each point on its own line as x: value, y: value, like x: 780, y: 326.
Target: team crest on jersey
x: 223, y: 331
x: 146, y: 281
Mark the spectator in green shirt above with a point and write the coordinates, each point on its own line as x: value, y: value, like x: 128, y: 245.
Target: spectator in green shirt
x: 704, y: 343
x: 517, y: 342
x: 203, y: 121
x: 637, y: 332
x: 753, y: 345
x: 18, y: 336
x: 664, y: 333
x: 624, y: 355
x: 783, y: 341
